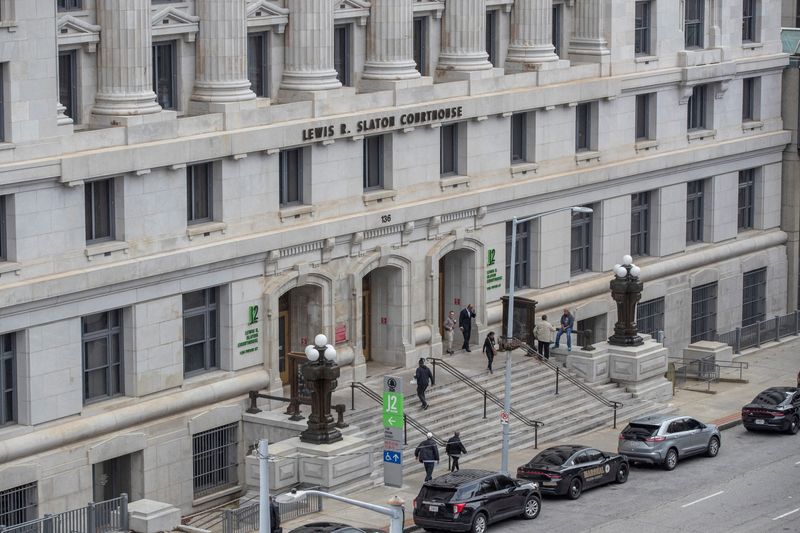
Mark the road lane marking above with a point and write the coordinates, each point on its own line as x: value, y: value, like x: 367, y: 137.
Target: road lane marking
x: 797, y: 463
x: 703, y: 499
x: 786, y: 514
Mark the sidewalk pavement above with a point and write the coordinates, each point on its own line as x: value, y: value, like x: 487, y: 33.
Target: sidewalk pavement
x: 775, y: 364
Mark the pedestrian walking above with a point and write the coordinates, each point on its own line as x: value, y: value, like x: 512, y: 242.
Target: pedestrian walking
x: 798, y: 380
x: 490, y: 349
x: 427, y: 453
x: 465, y: 324
x: 424, y: 377
x: 455, y: 449
x: 449, y: 330
x: 543, y: 332
x: 567, y: 322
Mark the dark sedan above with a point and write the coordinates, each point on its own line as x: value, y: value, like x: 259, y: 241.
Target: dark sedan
x: 775, y: 409
x: 332, y: 527
x: 569, y: 470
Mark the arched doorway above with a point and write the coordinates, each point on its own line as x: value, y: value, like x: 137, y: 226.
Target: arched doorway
x: 457, y: 289
x: 299, y: 319
x: 382, y: 316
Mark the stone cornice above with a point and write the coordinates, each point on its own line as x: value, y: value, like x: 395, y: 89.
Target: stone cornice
x: 174, y: 21
x: 72, y: 30
x: 263, y: 14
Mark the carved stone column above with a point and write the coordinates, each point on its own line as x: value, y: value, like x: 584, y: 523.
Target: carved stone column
x: 390, y: 44
x: 464, y: 38
x: 221, y: 66
x: 588, y: 43
x: 531, y: 34
x: 309, y: 50
x: 124, y: 60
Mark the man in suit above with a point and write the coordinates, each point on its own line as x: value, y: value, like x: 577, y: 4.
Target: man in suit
x: 465, y: 324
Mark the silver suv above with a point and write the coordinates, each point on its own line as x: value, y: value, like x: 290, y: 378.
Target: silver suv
x: 663, y: 439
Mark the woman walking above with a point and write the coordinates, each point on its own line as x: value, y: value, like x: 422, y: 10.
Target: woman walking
x: 490, y: 349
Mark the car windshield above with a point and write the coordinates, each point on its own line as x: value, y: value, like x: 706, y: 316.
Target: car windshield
x: 772, y: 397
x: 553, y: 456
x: 439, y: 494
x: 639, y: 431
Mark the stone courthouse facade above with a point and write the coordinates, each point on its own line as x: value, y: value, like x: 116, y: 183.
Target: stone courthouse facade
x: 190, y: 190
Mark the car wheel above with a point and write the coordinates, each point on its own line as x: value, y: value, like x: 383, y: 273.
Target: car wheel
x: 575, y: 488
x: 622, y: 473
x: 748, y: 428
x: 479, y: 523
x: 532, y: 508
x: 671, y: 460
x: 794, y: 426
x: 713, y: 447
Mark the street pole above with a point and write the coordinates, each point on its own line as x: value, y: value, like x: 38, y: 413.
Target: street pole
x: 264, y: 525
x: 509, y: 336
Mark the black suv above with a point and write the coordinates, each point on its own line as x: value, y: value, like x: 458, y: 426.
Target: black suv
x: 777, y: 409
x: 470, y: 500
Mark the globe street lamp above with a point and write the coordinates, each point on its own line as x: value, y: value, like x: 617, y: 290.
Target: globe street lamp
x: 510, y: 319
x: 626, y: 289
x: 321, y: 373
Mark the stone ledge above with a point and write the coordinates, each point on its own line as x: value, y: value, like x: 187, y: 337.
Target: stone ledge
x: 295, y: 212
x: 205, y: 229
x: 106, y: 249
x: 454, y: 182
x: 587, y: 156
x: 752, y: 125
x: 644, y: 146
x: 522, y: 169
x: 378, y: 196
x: 645, y: 59
x: 699, y: 135
x: 10, y: 266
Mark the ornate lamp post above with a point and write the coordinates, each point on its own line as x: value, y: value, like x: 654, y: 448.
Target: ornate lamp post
x: 321, y: 373
x: 626, y: 289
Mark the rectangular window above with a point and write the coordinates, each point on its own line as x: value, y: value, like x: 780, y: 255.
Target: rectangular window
x: 421, y: 44
x: 704, y: 312
x: 749, y: 21
x: 99, y: 206
x: 521, y: 268
x: 650, y: 316
x: 68, y: 5
x: 747, y: 191
x: 215, y: 463
x: 448, y: 162
x: 8, y: 381
x: 694, y: 24
x: 67, y: 83
x: 696, y: 117
x: 642, y: 117
x: 373, y: 162
x: 199, y: 193
x: 3, y: 230
x: 581, y: 243
x: 200, y: 331
x: 491, y: 36
x: 583, y: 127
x: 558, y: 27
x: 642, y: 28
x: 102, y: 355
x: 291, y: 175
x: 341, y: 53
x: 258, y: 63
x: 19, y: 505
x: 3, y: 111
x: 754, y: 296
x: 748, y: 99
x: 694, y: 211
x: 164, y: 74
x: 640, y: 224
x: 519, y: 138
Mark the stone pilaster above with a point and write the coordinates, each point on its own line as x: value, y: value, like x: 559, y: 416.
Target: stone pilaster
x: 309, y: 48
x: 221, y: 72
x: 124, y: 59
x: 588, y: 43
x: 531, y: 35
x: 464, y: 40
x: 390, y: 55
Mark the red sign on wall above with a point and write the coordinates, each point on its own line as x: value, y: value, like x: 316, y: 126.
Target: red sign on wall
x: 303, y: 341
x: 456, y: 301
x: 341, y: 333
x: 384, y: 320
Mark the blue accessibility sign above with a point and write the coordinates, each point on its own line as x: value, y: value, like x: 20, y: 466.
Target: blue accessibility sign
x: 392, y: 457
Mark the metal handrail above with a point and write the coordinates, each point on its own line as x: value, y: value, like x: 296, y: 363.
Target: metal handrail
x: 518, y: 343
x: 407, y: 420
x: 738, y: 365
x: 474, y: 385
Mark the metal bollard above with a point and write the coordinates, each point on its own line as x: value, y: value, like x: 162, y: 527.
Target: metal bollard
x: 253, y: 409
x: 558, y: 372
x: 777, y: 328
x: 123, y: 512
x: 405, y: 430
x: 615, y: 416
x: 484, y: 404
x: 352, y: 396
x: 737, y: 341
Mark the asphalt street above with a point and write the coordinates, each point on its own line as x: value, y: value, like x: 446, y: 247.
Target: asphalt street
x: 753, y: 485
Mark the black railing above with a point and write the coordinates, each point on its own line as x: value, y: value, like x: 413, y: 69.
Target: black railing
x: 768, y: 330
x: 569, y: 377
x: 407, y: 420
x: 487, y: 396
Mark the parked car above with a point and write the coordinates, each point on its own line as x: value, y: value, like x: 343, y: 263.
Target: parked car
x: 569, y: 470
x: 470, y: 500
x: 664, y: 439
x: 331, y: 527
x: 775, y: 409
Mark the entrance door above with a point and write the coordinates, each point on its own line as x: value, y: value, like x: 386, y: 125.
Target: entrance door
x: 111, y: 478
x: 366, y: 317
x: 283, y: 345
x: 442, y: 306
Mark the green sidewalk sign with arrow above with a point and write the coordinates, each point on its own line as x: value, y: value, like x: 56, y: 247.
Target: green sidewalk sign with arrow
x: 392, y: 410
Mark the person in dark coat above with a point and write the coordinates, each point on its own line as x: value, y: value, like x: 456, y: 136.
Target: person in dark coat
x: 465, y: 324
x: 424, y: 377
x: 455, y: 449
x: 274, y: 517
x: 427, y: 453
x: 567, y: 322
x: 490, y: 349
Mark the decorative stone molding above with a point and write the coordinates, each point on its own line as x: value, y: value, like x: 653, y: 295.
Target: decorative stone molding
x: 116, y: 447
x: 214, y: 418
x: 172, y: 21
x: 504, y: 4
x: 352, y: 9
x: 71, y: 31
x: 429, y: 7
x: 264, y: 14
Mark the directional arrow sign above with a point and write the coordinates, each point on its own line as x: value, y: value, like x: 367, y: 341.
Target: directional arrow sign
x: 392, y: 457
x: 392, y: 414
x: 392, y: 410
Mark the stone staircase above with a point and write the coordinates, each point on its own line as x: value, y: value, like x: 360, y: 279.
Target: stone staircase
x: 454, y: 406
